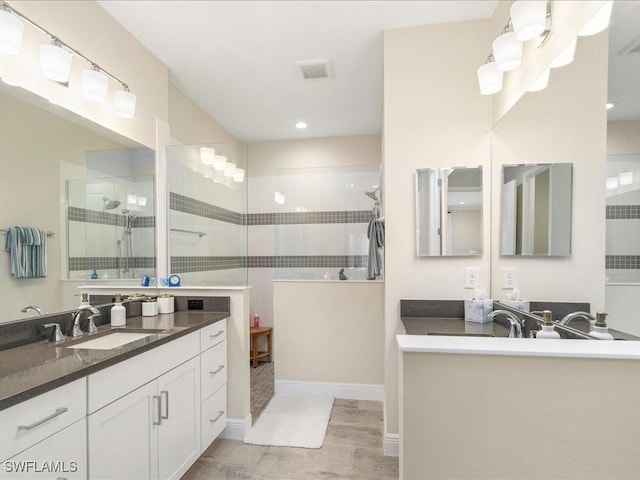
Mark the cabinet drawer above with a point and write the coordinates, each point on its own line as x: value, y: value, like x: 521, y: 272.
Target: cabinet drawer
x: 213, y: 334
x: 114, y: 382
x: 33, y: 420
x: 214, y: 417
x: 213, y: 370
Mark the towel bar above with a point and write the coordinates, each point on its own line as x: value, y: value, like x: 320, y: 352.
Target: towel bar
x: 49, y: 234
x: 200, y: 234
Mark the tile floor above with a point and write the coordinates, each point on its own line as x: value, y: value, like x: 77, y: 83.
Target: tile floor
x: 352, y: 448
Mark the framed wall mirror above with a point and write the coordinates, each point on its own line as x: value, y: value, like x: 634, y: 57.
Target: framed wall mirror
x: 449, y: 211
x: 536, y: 210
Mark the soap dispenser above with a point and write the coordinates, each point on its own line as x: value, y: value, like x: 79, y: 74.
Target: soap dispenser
x: 547, y: 326
x: 84, y: 299
x: 600, y: 330
x: 118, y: 313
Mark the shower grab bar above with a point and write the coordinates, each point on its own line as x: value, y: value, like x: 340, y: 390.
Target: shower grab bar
x: 49, y: 234
x: 200, y: 234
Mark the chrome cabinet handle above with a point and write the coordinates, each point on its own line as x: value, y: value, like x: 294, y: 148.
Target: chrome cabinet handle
x: 59, y: 411
x: 220, y: 332
x: 166, y: 415
x: 220, y: 413
x: 217, y: 370
x: 158, y: 400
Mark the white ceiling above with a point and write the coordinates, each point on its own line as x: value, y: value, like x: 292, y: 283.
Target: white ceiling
x: 236, y: 58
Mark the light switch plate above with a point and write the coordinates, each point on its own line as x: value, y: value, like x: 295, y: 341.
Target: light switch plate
x: 508, y: 278
x: 471, y: 277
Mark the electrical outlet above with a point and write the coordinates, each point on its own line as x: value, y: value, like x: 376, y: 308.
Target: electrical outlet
x: 508, y: 278
x: 471, y: 277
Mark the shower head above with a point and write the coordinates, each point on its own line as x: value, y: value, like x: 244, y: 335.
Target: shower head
x: 110, y: 204
x: 372, y: 195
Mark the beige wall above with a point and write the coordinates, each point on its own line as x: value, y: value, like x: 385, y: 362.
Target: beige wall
x: 501, y: 417
x: 329, y: 332
x: 433, y: 117
x: 88, y: 28
x: 623, y: 138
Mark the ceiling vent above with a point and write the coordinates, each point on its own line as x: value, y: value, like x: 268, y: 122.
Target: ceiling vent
x: 313, y: 69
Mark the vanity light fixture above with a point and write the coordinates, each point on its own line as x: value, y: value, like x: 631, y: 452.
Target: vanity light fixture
x: 56, y: 58
x: 207, y: 155
x: 142, y: 201
x: 489, y: 77
x: 229, y: 169
x: 11, y: 31
x: 599, y: 22
x: 566, y: 56
x: 238, y: 175
x: 507, y: 52
x: 612, y: 182
x: 541, y: 82
x: 219, y: 163
x: 279, y: 198
x: 625, y: 178
x: 529, y: 18
x: 132, y: 199
x: 301, y: 125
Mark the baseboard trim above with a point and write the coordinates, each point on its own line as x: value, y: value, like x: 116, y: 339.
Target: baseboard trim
x: 236, y: 428
x: 391, y: 445
x: 352, y: 391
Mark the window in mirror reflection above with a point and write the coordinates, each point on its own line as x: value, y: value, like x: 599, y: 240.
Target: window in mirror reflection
x: 449, y: 211
x: 536, y: 209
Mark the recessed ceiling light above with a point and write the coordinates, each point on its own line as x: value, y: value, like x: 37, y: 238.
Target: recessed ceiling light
x: 301, y: 125
x: 610, y: 105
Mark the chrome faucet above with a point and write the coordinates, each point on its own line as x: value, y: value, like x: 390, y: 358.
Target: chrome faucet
x: 516, y: 326
x: 32, y: 308
x: 91, y: 328
x: 571, y: 316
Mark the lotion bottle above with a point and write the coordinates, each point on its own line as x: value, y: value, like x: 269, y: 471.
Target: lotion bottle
x: 118, y: 313
x: 547, y: 326
x: 600, y: 330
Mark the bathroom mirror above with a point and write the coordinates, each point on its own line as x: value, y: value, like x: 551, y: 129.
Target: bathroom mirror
x: 449, y: 211
x: 56, y: 167
x: 536, y: 210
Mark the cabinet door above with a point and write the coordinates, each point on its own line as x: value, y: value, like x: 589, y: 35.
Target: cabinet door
x: 179, y: 432
x: 123, y: 438
x: 61, y: 456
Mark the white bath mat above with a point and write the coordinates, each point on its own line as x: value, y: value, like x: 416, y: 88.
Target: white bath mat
x: 292, y: 420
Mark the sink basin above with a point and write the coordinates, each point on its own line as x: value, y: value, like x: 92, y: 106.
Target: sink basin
x: 111, y: 340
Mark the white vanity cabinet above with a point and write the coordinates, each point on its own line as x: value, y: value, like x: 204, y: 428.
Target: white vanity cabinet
x: 213, y: 381
x: 152, y: 431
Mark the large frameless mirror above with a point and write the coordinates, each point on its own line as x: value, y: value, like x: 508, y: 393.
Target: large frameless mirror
x: 449, y: 211
x: 536, y: 210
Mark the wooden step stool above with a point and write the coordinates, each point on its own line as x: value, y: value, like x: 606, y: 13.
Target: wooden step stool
x: 256, y: 333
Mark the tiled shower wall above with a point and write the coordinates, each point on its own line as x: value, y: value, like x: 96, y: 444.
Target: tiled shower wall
x: 622, y: 259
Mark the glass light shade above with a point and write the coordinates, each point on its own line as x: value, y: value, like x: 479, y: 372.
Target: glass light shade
x: 279, y: 198
x: 566, y: 56
x: 489, y: 79
x: 124, y: 103
x: 529, y: 18
x: 219, y: 163
x: 11, y: 30
x: 132, y: 199
x: 599, y: 22
x: 541, y: 82
x: 55, y: 63
x: 229, y: 169
x: 207, y: 155
x: 507, y: 52
x: 94, y: 85
x: 612, y: 182
x: 625, y: 178
x: 238, y: 175
x: 142, y: 201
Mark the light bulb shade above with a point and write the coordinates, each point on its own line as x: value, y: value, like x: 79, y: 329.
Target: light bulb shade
x: 124, y: 103
x: 229, y: 169
x: 207, y: 155
x: 529, y: 18
x: 612, y: 182
x: 94, y: 85
x: 238, y: 175
x: 599, y: 22
x: 142, y: 201
x: 55, y: 63
x: 507, y: 52
x: 541, y: 82
x: 566, y: 56
x: 11, y: 30
x: 489, y: 79
x: 219, y: 163
x: 625, y: 178
x: 132, y: 199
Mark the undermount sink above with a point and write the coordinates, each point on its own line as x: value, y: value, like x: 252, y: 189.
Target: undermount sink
x: 111, y: 340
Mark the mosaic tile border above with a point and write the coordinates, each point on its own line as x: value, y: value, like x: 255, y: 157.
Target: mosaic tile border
x: 626, y: 262
x: 206, y: 264
x: 181, y: 203
x: 105, y: 218
x: 107, y: 263
x: 620, y: 212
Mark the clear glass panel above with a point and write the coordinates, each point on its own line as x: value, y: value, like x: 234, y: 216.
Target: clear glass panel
x: 321, y: 221
x: 207, y: 216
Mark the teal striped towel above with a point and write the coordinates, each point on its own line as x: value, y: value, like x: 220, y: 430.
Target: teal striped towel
x: 27, y: 247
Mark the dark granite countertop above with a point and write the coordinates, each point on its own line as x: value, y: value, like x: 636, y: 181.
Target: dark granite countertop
x: 451, y: 326
x: 33, y: 369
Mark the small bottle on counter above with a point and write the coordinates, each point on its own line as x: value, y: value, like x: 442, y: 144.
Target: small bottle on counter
x: 256, y: 321
x: 149, y: 307
x: 548, y: 331
x: 600, y: 330
x: 118, y: 313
